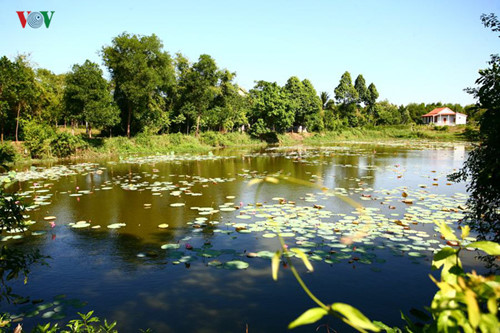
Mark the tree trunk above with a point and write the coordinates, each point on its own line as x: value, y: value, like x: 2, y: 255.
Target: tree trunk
x: 89, y: 130
x: 129, y: 119
x: 73, y: 127
x: 198, y: 125
x: 17, y: 121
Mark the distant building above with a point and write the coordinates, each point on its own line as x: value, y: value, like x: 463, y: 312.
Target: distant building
x: 444, y: 116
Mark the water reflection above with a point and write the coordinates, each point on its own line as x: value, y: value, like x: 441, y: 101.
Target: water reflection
x: 124, y: 271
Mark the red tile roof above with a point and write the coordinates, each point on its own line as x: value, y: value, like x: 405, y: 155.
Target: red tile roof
x: 438, y: 110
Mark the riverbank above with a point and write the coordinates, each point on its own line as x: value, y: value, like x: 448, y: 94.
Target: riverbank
x: 101, y: 147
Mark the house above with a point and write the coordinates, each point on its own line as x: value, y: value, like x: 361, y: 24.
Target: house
x: 444, y: 116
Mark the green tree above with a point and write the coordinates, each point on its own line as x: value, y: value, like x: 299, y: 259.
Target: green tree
x: 314, y: 115
x: 87, y: 96
x: 386, y: 113
x: 143, y: 74
x: 7, y: 81
x: 325, y: 99
x: 360, y: 86
x: 371, y: 99
x: 22, y: 89
x: 199, y: 88
x: 51, y: 88
x: 270, y: 104
x: 231, y: 107
x: 304, y: 103
x: 482, y: 167
x: 345, y: 93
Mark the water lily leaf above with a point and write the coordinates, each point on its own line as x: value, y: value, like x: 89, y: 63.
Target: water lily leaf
x: 308, y: 317
x: 116, y: 225
x: 170, y: 246
x: 236, y: 264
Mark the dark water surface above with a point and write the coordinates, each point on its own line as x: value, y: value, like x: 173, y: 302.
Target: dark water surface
x: 124, y: 274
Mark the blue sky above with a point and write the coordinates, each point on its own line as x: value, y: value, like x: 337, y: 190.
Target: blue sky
x: 413, y: 51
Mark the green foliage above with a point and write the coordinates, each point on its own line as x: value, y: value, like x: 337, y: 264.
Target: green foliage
x: 38, y: 138
x: 444, y: 128
x: 87, y: 323
x: 482, y: 167
x: 360, y: 86
x: 51, y: 90
x: 13, y: 262
x: 345, y: 93
x: 87, y: 96
x: 271, y: 104
x: 304, y: 103
x: 7, y: 153
x: 142, y: 73
x: 65, y: 144
x: 385, y: 113
x: 465, y: 302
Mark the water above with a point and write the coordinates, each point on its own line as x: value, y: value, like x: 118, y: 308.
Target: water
x: 124, y: 274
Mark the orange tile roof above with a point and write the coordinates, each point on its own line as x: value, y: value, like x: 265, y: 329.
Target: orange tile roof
x: 437, y: 110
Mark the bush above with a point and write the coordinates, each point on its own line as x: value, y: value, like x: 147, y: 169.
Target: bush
x: 214, y: 139
x: 444, y: 128
x: 65, y: 144
x: 7, y: 153
x: 38, y: 138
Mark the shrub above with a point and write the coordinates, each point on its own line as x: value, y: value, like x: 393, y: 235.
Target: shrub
x: 38, y: 138
x: 7, y: 153
x: 65, y: 144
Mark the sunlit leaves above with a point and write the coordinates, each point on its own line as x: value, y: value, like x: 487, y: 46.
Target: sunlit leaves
x: 275, y: 264
x: 446, y: 231
x: 304, y: 258
x: 308, y: 317
x: 490, y: 248
x: 354, y: 317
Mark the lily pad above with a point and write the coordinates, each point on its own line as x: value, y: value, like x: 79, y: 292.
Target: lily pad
x: 236, y: 264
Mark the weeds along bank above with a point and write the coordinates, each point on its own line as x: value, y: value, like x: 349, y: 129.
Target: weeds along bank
x: 43, y: 142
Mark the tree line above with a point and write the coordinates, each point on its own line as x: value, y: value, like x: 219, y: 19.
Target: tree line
x: 150, y: 91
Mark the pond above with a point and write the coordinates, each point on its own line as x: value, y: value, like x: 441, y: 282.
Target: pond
x: 180, y: 243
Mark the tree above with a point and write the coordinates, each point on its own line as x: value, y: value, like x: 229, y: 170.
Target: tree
x: 199, y: 87
x: 325, y: 99
x: 386, y: 113
x: 7, y: 81
x: 345, y: 93
x: 304, y: 103
x: 143, y: 75
x: 87, y: 96
x: 482, y: 166
x: 314, y: 115
x: 360, y: 86
x: 230, y: 107
x: 371, y: 98
x: 51, y: 90
x: 23, y: 88
x: 270, y: 107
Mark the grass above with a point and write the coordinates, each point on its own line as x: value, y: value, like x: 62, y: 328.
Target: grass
x: 102, y: 147
x: 379, y: 133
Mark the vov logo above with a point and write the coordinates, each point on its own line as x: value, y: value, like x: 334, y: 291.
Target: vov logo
x: 35, y: 19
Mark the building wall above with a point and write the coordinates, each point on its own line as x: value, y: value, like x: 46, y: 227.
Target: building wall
x: 461, y: 119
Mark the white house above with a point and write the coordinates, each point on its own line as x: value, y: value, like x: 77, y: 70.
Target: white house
x: 444, y: 116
